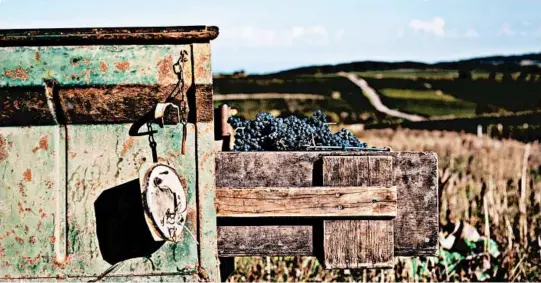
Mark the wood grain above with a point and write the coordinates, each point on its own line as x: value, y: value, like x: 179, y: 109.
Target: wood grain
x: 357, y: 243
x: 415, y: 177
x: 306, y: 202
x: 265, y: 240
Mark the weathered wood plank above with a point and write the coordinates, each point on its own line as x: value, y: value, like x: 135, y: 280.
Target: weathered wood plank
x: 272, y: 240
x: 349, y: 171
x: 415, y: 176
x: 357, y: 243
x: 306, y: 202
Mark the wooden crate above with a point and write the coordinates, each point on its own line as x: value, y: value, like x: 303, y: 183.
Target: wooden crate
x: 351, y: 209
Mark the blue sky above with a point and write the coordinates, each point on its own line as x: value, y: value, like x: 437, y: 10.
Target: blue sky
x: 263, y: 36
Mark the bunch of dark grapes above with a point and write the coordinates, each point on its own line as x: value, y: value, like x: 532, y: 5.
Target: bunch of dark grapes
x: 267, y: 133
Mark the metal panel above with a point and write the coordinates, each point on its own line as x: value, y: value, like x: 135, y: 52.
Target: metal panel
x: 90, y: 65
x: 206, y: 156
x: 28, y: 202
x: 101, y: 160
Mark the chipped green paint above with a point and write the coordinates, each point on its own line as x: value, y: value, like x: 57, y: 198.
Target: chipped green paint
x: 53, y: 176
x: 27, y: 201
x: 206, y: 165
x: 99, y: 158
x: 90, y: 65
x: 104, y: 157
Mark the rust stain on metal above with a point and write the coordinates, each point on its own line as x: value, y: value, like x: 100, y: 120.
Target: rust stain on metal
x: 122, y: 66
x: 19, y: 239
x: 127, y: 145
x: 21, y: 189
x: 110, y: 35
x: 18, y: 73
x: 204, y: 103
x: 32, y: 240
x: 3, y: 148
x: 28, y: 175
x: 38, y: 56
x: 22, y: 209
x: 165, y: 67
x: 103, y: 66
x: 203, y: 69
x: 43, y: 144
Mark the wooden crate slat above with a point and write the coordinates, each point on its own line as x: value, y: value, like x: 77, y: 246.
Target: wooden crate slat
x: 306, y: 202
x: 358, y: 243
x: 279, y: 240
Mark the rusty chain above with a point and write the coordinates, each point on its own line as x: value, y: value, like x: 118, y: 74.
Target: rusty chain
x: 178, y: 69
x: 152, y: 143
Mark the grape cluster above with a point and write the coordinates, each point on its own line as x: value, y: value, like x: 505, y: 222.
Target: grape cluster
x: 267, y: 133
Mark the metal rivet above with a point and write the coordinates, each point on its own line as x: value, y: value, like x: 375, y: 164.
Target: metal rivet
x: 427, y: 240
x: 337, y: 194
x: 340, y: 207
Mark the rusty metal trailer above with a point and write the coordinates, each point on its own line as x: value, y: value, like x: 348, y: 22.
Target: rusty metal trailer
x: 74, y: 203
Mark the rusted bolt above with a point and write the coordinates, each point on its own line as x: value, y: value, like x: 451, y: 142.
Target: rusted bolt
x: 340, y: 207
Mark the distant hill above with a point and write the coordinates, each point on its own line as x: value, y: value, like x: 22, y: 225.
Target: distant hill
x: 527, y: 62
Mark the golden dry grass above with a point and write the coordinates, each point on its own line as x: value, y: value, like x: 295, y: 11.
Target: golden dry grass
x: 482, y: 181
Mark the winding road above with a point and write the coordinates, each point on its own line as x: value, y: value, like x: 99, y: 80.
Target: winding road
x: 374, y: 99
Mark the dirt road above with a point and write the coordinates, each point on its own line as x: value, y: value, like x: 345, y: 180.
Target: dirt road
x: 374, y: 99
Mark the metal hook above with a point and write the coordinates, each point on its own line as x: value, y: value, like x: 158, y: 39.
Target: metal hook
x: 156, y: 115
x: 147, y: 118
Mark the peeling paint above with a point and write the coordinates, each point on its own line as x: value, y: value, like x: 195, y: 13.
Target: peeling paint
x: 28, y: 175
x: 103, y: 67
x: 165, y: 69
x: 17, y: 73
x: 122, y: 66
x: 3, y: 148
x: 127, y: 145
x: 43, y: 144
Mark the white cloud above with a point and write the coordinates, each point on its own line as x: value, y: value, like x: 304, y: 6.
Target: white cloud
x: 435, y: 26
x: 506, y: 30
x: 252, y: 36
x: 471, y: 33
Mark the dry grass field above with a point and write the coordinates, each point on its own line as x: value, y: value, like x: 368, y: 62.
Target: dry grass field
x: 492, y: 187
